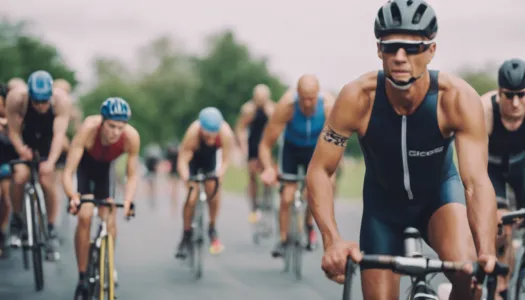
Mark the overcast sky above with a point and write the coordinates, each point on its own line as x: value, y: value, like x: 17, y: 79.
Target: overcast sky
x: 331, y: 38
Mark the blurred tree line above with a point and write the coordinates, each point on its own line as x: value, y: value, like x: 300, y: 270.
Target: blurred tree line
x: 169, y: 86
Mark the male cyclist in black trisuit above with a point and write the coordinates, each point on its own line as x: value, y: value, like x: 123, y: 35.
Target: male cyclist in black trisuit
x: 7, y: 153
x: 37, y: 119
x: 504, y: 115
x: 249, y: 129
x: 407, y: 117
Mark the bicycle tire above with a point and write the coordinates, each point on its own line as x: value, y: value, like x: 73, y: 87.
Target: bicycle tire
x: 38, y: 267
x: 298, y: 245
x: 520, y: 281
x: 199, y: 243
x: 92, y: 271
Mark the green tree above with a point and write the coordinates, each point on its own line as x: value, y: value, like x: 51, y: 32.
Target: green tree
x: 227, y: 76
x: 482, y: 80
x: 22, y: 53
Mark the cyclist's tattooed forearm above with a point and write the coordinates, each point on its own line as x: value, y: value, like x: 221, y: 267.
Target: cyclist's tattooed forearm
x: 333, y: 137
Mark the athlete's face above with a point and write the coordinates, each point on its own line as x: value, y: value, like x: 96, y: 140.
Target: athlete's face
x: 112, y: 130
x: 512, y: 103
x: 405, y: 55
x: 41, y: 106
x: 209, y: 137
x: 308, y: 98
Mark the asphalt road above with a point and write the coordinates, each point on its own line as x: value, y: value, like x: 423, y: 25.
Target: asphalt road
x: 148, y: 270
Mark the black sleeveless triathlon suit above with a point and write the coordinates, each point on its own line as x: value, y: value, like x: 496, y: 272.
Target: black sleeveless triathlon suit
x: 409, y: 174
x: 506, y: 159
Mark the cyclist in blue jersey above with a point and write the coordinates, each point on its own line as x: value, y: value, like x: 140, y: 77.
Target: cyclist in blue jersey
x: 300, y: 115
x: 504, y: 115
x: 406, y: 117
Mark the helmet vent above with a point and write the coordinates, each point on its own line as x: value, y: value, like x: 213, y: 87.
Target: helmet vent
x: 381, y: 18
x: 419, y: 14
x: 396, y: 14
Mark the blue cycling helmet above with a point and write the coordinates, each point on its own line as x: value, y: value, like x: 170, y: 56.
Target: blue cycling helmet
x: 116, y: 109
x: 40, y: 86
x: 210, y: 119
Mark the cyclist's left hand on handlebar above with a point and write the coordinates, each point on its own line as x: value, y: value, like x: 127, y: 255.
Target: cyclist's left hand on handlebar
x: 335, y: 257
x: 128, y: 211
x: 46, y: 167
x: 488, y: 262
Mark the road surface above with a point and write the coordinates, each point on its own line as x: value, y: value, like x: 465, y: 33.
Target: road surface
x: 148, y: 270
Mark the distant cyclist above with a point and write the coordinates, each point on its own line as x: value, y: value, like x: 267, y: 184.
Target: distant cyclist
x: 7, y: 153
x: 100, y: 140
x: 249, y: 129
x: 172, y: 155
x: 201, y: 150
x: 152, y: 157
x: 37, y: 121
x: 300, y: 115
x: 504, y: 114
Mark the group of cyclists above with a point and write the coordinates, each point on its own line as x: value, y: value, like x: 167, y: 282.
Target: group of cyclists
x: 406, y: 118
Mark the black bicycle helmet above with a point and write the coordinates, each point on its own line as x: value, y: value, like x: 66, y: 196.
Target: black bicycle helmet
x: 406, y: 16
x: 511, y: 75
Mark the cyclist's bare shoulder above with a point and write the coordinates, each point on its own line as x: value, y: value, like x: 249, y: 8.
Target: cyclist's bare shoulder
x: 457, y: 100
x: 284, y: 109
x: 17, y: 99
x: 248, y: 108
x: 353, y: 105
x: 191, y: 138
x: 132, y: 139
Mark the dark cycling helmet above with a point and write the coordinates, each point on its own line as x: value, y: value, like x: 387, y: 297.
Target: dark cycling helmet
x: 511, y: 75
x: 406, y: 16
x: 116, y: 109
x: 40, y: 86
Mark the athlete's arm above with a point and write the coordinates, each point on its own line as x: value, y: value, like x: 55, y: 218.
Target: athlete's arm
x: 63, y: 110
x: 14, y: 113
x: 227, y: 140
x: 241, y: 131
x: 187, y: 147
x: 471, y: 144
x: 275, y: 126
x: 133, y: 150
x: 76, y: 150
x: 345, y: 118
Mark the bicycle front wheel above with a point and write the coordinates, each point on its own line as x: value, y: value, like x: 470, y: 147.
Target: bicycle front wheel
x: 38, y: 267
x: 106, y: 267
x: 520, y: 282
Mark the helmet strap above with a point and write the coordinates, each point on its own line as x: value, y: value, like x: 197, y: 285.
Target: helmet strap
x: 404, y: 85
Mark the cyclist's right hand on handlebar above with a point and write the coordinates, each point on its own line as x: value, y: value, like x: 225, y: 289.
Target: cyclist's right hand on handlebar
x: 269, y: 176
x: 74, y: 202
x: 26, y: 153
x: 335, y: 257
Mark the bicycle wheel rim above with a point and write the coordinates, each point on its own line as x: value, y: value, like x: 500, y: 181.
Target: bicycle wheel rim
x: 110, y: 267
